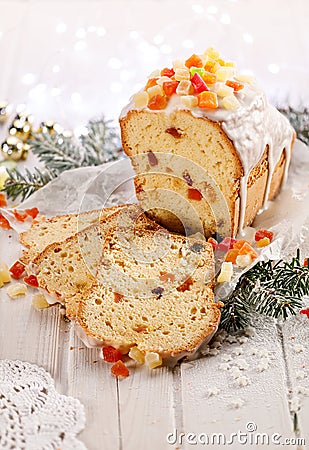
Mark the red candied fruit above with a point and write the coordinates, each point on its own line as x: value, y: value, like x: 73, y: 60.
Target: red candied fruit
x: 166, y: 72
x: 20, y: 216
x: 305, y: 312
x: 198, y: 83
x: 194, y: 61
x: 150, y: 83
x: 260, y: 234
x: 306, y: 262
x: 152, y: 159
x: 4, y: 223
x: 111, y: 354
x: 213, y: 242
x: 157, y: 102
x: 169, y: 87
x: 119, y: 369
x: 226, y: 244
x: 194, y: 194
x: 235, y: 85
x: 2, y: 200
x: 31, y: 281
x: 33, y: 212
x: 17, y: 270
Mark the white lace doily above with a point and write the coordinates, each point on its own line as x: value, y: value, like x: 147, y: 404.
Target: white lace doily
x: 33, y: 416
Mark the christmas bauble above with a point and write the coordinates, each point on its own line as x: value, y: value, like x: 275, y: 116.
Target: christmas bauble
x: 13, y: 148
x: 5, y: 110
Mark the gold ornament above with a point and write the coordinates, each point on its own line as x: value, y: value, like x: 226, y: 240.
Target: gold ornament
x: 20, y: 129
x: 13, y: 148
x: 24, y: 116
x: 49, y: 126
x: 4, y: 111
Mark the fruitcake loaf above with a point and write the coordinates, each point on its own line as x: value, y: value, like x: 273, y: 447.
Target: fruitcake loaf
x: 207, y: 147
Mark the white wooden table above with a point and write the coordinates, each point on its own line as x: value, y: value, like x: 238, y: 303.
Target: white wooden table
x: 74, y: 60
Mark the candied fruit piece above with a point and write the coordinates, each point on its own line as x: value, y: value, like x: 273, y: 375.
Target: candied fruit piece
x: 229, y: 64
x: 4, y: 223
x: 111, y: 354
x: 137, y: 355
x: 150, y: 83
x: 213, y: 242
x: 209, y: 78
x: 158, y: 291
x: 2, y: 200
x: 260, y: 234
x: 118, y: 297
x: 186, y: 286
x: 20, y: 216
x: 166, y: 72
x: 211, y: 66
x: 39, y: 302
x: 194, y: 61
x: 305, y: 312
x: 230, y: 102
x: 153, y: 359
x: 243, y: 261
x: 244, y: 78
x: 235, y: 85
x: 141, y: 99
x: 223, y: 73
x: 231, y: 255
x: 17, y: 270
x: 5, y: 276
x: 199, y: 70
x: 154, y: 74
x: 198, y: 83
x: 212, y: 53
x: 240, y: 243
x: 208, y: 99
x: 224, y: 91
x: 178, y: 64
x: 189, y: 101
x: 153, y: 160
x: 157, y: 102
x: 247, y: 249
x: 17, y: 289
x: 167, y: 277
x: 226, y: 272
x: 306, y: 262
x: 194, y: 194
x: 183, y: 87
x: 31, y: 280
x: 119, y: 369
x: 162, y: 80
x: 169, y: 87
x: 226, y: 244
x: 182, y: 74
x: 263, y: 242
x: 155, y: 90
x: 33, y: 212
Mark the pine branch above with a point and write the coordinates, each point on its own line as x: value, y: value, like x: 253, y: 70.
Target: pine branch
x: 273, y: 290
x: 299, y: 119
x: 25, y: 184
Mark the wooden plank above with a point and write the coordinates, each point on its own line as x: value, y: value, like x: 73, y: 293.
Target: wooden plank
x: 146, y: 404
x: 217, y: 399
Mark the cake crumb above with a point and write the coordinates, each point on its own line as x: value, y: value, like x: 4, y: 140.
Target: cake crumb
x: 237, y: 403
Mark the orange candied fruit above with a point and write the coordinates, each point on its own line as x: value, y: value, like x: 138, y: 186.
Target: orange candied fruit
x: 119, y: 369
x: 247, y: 249
x: 235, y: 85
x: 33, y: 212
x: 211, y: 66
x: 194, y: 194
x: 208, y: 99
x: 4, y: 223
x: 186, y: 286
x: 21, y: 217
x: 150, y: 83
x: 209, y: 78
x: 157, y: 102
x: 194, y: 61
x: 169, y: 87
x: 2, y: 200
x: 167, y: 277
x: 111, y: 354
x: 166, y: 72
x: 232, y: 255
x: 240, y: 243
x: 17, y: 270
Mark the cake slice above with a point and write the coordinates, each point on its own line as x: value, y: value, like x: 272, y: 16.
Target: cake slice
x: 55, y: 229
x: 69, y: 267
x: 166, y: 304
x: 207, y: 147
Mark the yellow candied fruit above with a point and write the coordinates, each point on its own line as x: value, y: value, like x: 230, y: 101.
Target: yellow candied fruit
x: 226, y: 272
x: 39, y: 302
x: 17, y: 289
x: 243, y: 261
x: 244, y: 78
x: 153, y: 360
x: 263, y: 242
x: 155, y: 90
x: 229, y: 64
x: 223, y: 90
x: 182, y: 74
x: 162, y: 80
x: 1, y: 283
x: 141, y: 99
x: 137, y: 355
x: 183, y: 87
x: 212, y: 53
x: 211, y: 66
x: 225, y: 73
x: 189, y: 101
x: 230, y: 102
x: 155, y: 74
x: 178, y: 64
x: 5, y: 276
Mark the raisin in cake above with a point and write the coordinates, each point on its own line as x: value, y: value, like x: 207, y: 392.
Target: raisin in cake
x: 207, y: 147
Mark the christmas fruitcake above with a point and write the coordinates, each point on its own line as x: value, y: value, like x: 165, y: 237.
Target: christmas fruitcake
x: 207, y: 147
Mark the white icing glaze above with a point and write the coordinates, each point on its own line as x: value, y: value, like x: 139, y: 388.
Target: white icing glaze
x: 253, y: 126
